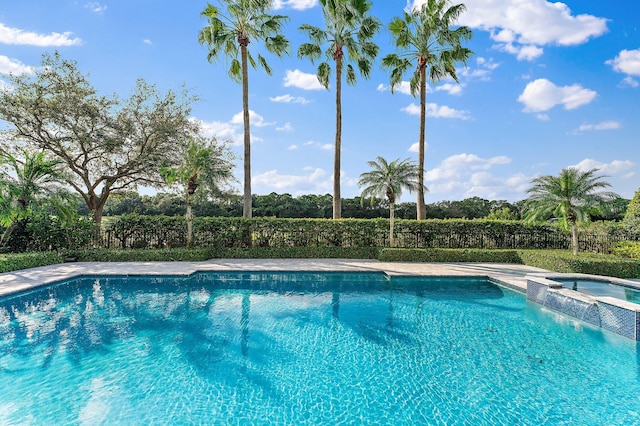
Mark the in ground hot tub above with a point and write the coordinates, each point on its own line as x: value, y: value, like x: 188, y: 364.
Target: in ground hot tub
x: 607, y: 302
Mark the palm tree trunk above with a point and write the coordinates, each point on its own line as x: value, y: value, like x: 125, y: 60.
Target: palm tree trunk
x: 392, y: 213
x: 574, y: 238
x: 421, y: 209
x: 337, y: 200
x: 189, y: 217
x: 246, y: 208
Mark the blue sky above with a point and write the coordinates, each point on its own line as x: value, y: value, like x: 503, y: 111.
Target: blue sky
x: 550, y: 85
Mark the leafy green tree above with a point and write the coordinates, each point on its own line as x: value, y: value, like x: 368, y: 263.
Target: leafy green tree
x: 388, y: 180
x: 502, y: 213
x: 207, y: 165
x: 570, y: 197
x: 247, y: 21
x: 632, y: 215
x: 426, y: 41
x: 348, y: 26
x: 25, y: 185
x: 106, y: 144
x: 615, y: 211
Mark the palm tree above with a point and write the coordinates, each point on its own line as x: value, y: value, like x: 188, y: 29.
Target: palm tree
x: 425, y: 35
x: 26, y: 183
x: 349, y: 27
x: 388, y: 180
x: 570, y: 197
x: 247, y: 21
x: 207, y: 164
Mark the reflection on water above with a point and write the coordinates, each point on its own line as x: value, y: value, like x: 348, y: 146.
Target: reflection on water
x: 356, y: 348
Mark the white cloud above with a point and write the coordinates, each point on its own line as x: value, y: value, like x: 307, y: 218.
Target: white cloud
x: 627, y: 62
x: 96, y: 7
x: 302, y: 80
x: 231, y: 130
x: 254, y: 118
x: 315, y: 180
x: 323, y: 146
x: 147, y: 41
x: 629, y: 81
x: 468, y: 175
x: 482, y: 72
x: 542, y: 95
x: 461, y: 164
x: 521, y: 27
x: 612, y: 168
x: 604, y: 125
x: 16, y: 36
x: 290, y: 99
x: 294, y: 4
x: 312, y: 180
x: 292, y: 147
x: 403, y: 87
x: 416, y: 147
x: 286, y: 128
x: 437, y: 111
x: 451, y: 88
x: 13, y: 66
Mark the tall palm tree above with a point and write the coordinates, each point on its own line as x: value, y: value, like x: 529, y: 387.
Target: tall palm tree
x: 207, y: 164
x: 570, y: 197
x: 350, y: 28
x: 426, y: 40
x: 24, y: 183
x: 388, y: 180
x: 229, y: 36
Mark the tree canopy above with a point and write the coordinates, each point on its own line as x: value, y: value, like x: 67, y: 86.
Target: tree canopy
x: 107, y: 144
x: 632, y: 215
x: 570, y: 197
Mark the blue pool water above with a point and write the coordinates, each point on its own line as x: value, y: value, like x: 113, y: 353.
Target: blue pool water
x: 596, y: 287
x: 238, y: 348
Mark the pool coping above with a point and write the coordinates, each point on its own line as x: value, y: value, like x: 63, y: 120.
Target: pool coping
x: 509, y: 275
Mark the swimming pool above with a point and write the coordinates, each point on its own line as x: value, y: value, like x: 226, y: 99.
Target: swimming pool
x: 305, y: 348
x: 601, y: 287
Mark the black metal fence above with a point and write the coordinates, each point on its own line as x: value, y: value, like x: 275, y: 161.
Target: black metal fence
x: 260, y: 232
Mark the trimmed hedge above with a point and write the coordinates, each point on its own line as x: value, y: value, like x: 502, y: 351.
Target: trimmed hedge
x: 140, y: 255
x: 449, y: 255
x: 201, y: 254
x: 584, y: 263
x: 553, y: 260
x: 18, y: 261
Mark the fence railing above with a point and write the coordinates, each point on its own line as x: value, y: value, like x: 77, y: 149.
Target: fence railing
x: 234, y: 232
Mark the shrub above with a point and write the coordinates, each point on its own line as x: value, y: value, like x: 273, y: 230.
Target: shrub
x: 15, y: 262
x: 449, y: 255
x: 630, y: 249
x: 632, y: 216
x: 584, y: 263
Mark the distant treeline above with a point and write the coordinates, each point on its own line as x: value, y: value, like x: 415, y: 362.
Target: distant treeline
x: 317, y: 206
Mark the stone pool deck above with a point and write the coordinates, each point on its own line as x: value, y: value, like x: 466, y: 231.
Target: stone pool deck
x: 508, y: 274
